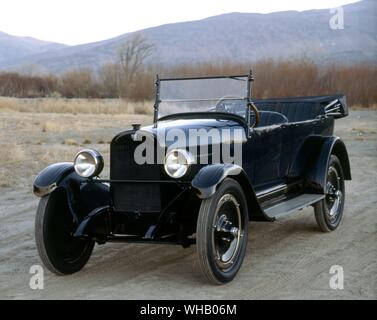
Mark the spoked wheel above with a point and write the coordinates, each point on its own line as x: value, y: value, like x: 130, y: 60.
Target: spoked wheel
x: 222, y: 232
x: 329, y: 211
x: 60, y: 252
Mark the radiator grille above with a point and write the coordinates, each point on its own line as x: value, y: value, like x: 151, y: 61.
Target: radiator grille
x: 131, y: 197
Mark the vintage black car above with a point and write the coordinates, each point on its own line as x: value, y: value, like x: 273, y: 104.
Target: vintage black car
x: 261, y: 159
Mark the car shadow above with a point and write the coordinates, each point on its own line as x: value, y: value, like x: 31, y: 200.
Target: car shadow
x: 128, y: 262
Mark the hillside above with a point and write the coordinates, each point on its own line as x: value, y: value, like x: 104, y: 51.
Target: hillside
x: 13, y: 48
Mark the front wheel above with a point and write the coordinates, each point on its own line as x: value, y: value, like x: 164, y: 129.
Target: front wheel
x: 222, y: 232
x: 329, y: 211
x: 60, y: 252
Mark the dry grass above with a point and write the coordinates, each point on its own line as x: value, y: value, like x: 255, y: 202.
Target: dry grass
x: 70, y: 142
x: 51, y: 126
x: 9, y: 104
x: 31, y: 141
x: 87, y: 141
x: 361, y: 107
x: 86, y: 106
x: 12, y: 156
x: 11, y: 153
x: 83, y: 106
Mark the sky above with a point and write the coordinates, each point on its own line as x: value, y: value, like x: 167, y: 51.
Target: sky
x: 81, y: 21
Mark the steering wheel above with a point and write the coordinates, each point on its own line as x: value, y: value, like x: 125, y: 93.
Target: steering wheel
x: 223, y: 108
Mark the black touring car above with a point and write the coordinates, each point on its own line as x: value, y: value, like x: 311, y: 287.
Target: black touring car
x: 281, y: 156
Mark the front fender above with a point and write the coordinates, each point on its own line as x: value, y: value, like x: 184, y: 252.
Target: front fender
x: 51, y: 177
x: 207, y: 180
x: 83, y: 195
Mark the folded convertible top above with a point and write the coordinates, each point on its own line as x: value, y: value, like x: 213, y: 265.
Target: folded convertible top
x: 305, y: 108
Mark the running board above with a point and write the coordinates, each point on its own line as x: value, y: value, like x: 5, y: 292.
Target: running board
x: 293, y: 204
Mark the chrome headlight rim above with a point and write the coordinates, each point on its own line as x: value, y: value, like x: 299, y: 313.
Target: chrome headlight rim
x: 189, y: 160
x: 97, y: 160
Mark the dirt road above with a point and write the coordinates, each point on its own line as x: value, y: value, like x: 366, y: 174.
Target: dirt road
x: 286, y: 259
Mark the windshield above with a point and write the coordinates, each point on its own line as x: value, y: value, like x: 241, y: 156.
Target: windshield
x: 227, y: 94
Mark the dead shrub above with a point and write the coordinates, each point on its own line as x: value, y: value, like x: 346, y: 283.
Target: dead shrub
x: 272, y: 79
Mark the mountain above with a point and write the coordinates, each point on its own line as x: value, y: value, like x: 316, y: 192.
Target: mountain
x: 13, y: 48
x: 239, y: 37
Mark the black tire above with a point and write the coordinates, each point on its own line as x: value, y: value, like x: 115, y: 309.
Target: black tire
x: 225, y: 210
x: 329, y: 211
x: 59, y: 251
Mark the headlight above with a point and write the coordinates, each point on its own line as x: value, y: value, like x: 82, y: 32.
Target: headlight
x: 177, y: 162
x: 88, y: 163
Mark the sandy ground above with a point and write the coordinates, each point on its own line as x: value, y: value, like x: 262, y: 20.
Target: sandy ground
x: 287, y: 259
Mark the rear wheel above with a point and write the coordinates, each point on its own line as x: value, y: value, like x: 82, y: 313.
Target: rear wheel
x: 222, y: 232
x: 60, y: 252
x: 329, y: 211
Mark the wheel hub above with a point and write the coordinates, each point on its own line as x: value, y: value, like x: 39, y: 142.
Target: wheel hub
x: 226, y: 226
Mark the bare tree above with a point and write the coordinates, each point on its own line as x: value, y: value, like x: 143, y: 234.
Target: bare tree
x: 132, y: 56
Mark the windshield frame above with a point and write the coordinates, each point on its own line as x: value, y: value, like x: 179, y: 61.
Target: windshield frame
x: 158, y: 100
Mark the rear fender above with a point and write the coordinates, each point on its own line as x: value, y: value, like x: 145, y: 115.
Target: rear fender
x: 313, y: 158
x: 318, y: 173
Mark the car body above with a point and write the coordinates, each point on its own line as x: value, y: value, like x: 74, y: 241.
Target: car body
x: 290, y: 160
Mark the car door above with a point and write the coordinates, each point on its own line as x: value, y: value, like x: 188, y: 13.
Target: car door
x: 264, y: 152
